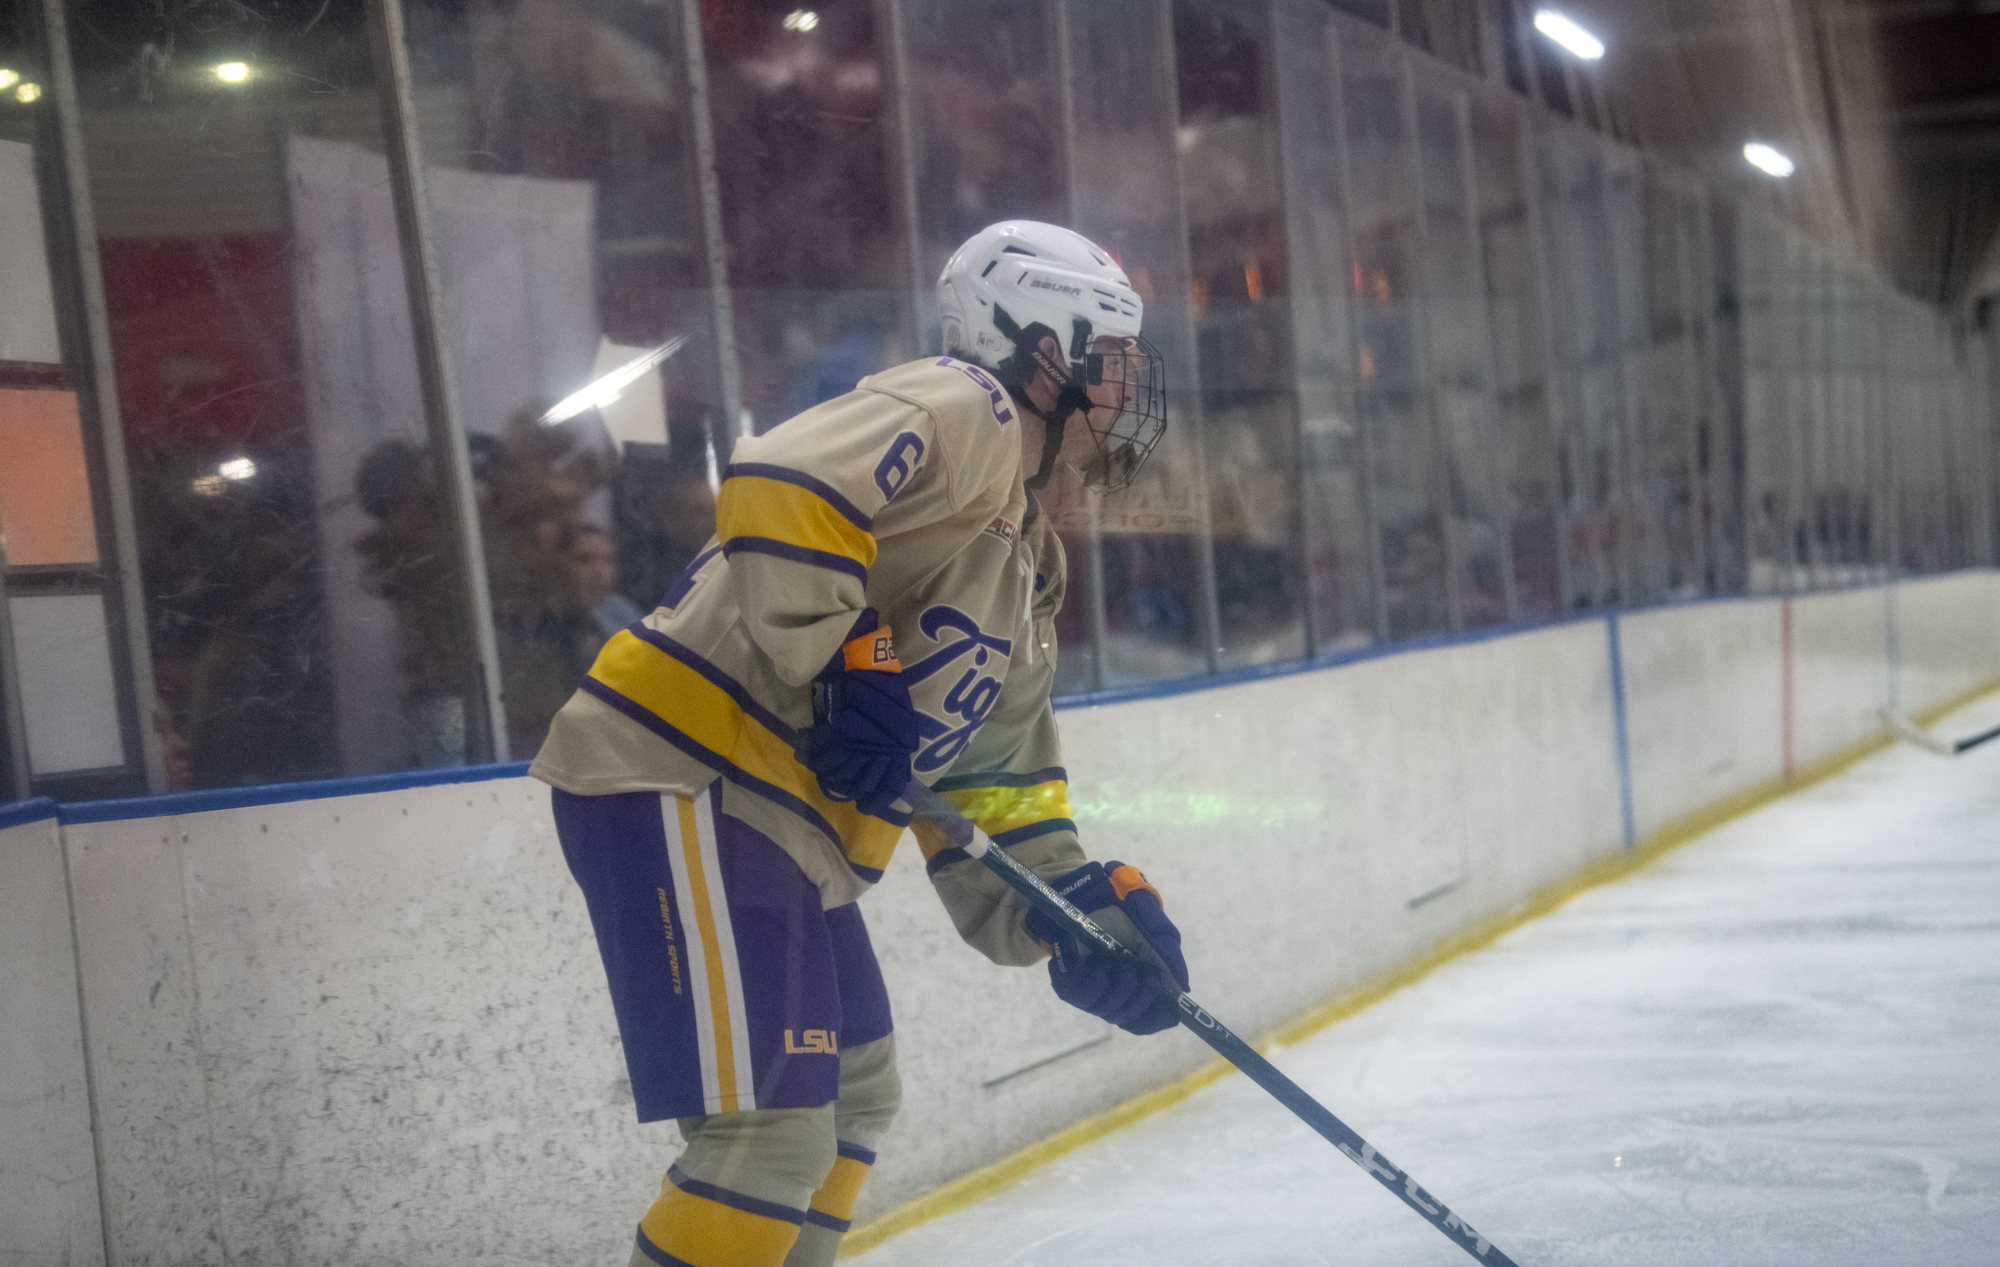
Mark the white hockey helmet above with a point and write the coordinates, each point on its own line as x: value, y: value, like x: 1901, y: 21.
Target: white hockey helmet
x: 1014, y: 282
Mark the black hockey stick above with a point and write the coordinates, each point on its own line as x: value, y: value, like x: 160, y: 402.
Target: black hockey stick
x: 930, y: 805
x: 1924, y: 739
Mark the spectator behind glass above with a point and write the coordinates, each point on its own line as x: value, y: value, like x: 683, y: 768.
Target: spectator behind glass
x: 593, y: 578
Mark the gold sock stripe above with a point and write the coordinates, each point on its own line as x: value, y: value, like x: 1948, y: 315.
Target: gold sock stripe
x: 836, y: 1196
x: 705, y: 1233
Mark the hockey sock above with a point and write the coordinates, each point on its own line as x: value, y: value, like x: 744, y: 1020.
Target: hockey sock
x: 696, y: 1224
x: 832, y: 1209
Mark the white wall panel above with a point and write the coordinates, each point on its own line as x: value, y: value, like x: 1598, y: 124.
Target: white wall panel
x: 374, y: 1027
x: 1840, y: 679
x: 366, y: 1029
x: 1704, y: 703
x: 1947, y: 636
x: 49, y: 1214
x: 1283, y: 821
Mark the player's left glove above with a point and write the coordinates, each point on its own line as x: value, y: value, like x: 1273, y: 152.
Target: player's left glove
x: 1133, y: 994
x: 864, y: 726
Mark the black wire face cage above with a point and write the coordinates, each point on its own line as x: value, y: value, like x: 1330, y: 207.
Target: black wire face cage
x: 1126, y: 374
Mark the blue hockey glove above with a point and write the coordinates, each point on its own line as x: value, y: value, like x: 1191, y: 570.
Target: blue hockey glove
x: 864, y: 727
x: 1132, y: 994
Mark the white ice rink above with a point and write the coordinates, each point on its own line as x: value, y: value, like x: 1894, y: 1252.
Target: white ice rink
x: 1778, y: 1045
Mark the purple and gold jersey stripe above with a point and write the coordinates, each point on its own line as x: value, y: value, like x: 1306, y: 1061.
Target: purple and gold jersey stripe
x: 708, y: 715
x: 819, y: 488
x: 768, y: 510
x: 714, y: 977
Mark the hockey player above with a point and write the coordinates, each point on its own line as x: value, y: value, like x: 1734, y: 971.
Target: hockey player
x: 878, y: 601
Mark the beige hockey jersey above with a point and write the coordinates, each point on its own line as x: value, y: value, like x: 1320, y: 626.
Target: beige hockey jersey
x: 905, y: 495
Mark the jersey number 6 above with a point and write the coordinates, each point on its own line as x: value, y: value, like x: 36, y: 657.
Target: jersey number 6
x: 893, y: 471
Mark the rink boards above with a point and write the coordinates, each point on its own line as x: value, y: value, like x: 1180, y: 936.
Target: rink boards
x: 364, y: 1021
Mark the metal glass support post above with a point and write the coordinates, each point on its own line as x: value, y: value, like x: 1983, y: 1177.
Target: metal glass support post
x: 1492, y: 61
x: 1294, y: 49
x: 1721, y: 443
x: 902, y: 148
x: 125, y: 595
x: 1490, y: 398
x: 1541, y: 263
x: 1836, y: 449
x: 1096, y: 619
x: 1694, y: 369
x: 1799, y: 522
x: 1429, y: 390
x: 1813, y: 433
x: 1273, y: 49
x: 1636, y: 557
x: 1364, y: 447
x: 486, y: 718
x: 1892, y: 476
x: 1208, y: 618
x: 1523, y: 35
x: 715, y: 247
x: 16, y: 780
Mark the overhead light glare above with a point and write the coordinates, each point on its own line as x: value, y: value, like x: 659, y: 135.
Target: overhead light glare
x: 1765, y: 159
x: 207, y: 486
x: 27, y: 93
x: 801, y: 20
x: 237, y: 469
x: 601, y: 391
x: 233, y: 72
x: 8, y: 78
x: 1573, y: 38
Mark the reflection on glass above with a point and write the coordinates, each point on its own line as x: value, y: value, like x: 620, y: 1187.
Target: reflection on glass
x: 1237, y: 248
x: 565, y: 209
x: 1338, y: 539
x: 1143, y: 590
x: 1589, y: 273
x: 1678, y: 370
x: 1405, y: 464
x: 1516, y: 320
x: 804, y: 141
x: 260, y: 335
x: 1458, y: 356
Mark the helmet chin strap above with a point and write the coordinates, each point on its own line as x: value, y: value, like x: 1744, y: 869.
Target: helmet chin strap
x: 1052, y: 441
x: 1070, y: 395
x: 1070, y: 398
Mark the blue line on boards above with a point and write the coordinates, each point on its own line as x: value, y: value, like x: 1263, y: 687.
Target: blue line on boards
x: 281, y: 793
x: 21, y: 813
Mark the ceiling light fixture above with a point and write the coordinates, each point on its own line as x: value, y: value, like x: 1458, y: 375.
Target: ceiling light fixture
x: 8, y: 78
x: 1766, y: 159
x: 1573, y: 38
x: 602, y: 391
x: 233, y: 72
x: 801, y: 20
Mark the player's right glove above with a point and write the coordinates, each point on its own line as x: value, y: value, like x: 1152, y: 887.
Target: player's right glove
x: 1133, y: 994
x: 864, y: 726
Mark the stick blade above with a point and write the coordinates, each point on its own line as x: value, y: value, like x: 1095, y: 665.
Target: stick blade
x: 1907, y: 729
x: 1970, y: 742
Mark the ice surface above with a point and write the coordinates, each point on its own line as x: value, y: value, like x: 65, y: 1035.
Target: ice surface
x: 1777, y: 1045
